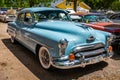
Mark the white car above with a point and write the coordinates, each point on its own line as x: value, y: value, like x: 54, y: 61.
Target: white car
x: 7, y: 18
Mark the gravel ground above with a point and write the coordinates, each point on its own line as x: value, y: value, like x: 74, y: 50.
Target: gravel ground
x: 18, y: 63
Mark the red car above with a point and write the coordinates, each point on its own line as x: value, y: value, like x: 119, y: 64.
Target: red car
x: 106, y: 26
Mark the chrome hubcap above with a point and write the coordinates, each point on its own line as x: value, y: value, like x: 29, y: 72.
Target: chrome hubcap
x: 45, y: 58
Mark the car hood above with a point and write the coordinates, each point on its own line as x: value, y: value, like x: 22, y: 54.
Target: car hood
x: 106, y: 26
x: 69, y: 30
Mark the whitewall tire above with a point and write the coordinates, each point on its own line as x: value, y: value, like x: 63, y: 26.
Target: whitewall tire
x: 44, y: 58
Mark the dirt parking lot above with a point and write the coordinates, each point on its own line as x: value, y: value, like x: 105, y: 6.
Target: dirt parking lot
x: 18, y: 63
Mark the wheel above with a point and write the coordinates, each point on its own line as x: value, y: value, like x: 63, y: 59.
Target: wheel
x: 13, y: 40
x: 44, y: 58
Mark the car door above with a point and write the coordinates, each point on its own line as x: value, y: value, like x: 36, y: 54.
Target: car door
x: 19, y: 26
x: 26, y: 31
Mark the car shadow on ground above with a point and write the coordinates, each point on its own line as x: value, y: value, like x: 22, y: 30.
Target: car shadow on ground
x: 116, y: 56
x: 29, y: 60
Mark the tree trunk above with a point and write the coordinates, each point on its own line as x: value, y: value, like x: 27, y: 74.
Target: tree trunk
x: 31, y: 3
x: 75, y: 5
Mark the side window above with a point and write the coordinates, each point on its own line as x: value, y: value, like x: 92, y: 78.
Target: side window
x: 52, y: 16
x: 21, y: 17
x: 28, y: 18
x: 39, y: 17
x: 118, y: 17
x: 114, y: 17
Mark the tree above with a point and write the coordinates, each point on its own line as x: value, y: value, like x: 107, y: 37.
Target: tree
x: 23, y: 3
x: 115, y: 6
x: 99, y: 4
x: 31, y: 3
x: 94, y: 4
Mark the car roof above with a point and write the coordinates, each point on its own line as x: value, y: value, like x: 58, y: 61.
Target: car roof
x: 117, y: 13
x: 97, y: 14
x: 36, y: 9
x: 84, y: 14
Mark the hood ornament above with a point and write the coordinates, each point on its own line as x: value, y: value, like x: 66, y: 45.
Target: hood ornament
x: 90, y: 38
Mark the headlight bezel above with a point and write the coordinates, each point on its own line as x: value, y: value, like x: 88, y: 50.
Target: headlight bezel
x: 110, y: 38
x: 63, y: 43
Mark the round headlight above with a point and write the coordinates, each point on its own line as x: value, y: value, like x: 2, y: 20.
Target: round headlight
x: 63, y: 43
x: 62, y: 46
x: 109, y: 39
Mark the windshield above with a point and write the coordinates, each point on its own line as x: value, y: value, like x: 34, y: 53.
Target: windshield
x: 96, y: 18
x: 51, y: 15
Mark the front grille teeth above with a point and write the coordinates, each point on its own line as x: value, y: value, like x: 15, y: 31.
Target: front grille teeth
x: 88, y: 48
x: 92, y: 51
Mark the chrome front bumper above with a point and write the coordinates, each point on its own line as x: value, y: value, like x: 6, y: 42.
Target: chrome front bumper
x: 64, y: 63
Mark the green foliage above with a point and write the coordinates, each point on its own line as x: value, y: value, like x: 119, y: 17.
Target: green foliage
x: 99, y: 4
x: 94, y: 4
x: 115, y: 5
x: 23, y: 3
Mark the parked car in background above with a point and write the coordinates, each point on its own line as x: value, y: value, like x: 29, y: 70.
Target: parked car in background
x: 58, y: 42
x: 95, y: 17
x: 3, y: 10
x: 76, y: 17
x: 89, y: 17
x: 70, y: 11
x: 101, y: 22
x: 2, y: 16
x: 10, y: 15
x: 115, y: 17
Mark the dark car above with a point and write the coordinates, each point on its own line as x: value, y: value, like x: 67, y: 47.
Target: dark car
x: 115, y: 17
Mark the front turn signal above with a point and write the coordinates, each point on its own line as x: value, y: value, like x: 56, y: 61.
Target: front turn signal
x: 71, y: 57
x: 110, y: 49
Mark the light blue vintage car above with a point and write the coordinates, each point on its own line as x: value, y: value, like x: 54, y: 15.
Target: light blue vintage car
x: 58, y: 42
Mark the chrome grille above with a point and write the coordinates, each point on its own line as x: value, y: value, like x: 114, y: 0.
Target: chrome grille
x: 90, y: 51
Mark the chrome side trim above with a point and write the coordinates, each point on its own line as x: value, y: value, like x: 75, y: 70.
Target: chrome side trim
x: 37, y: 42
